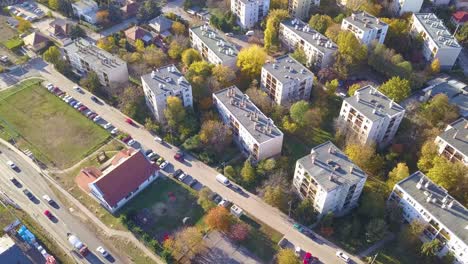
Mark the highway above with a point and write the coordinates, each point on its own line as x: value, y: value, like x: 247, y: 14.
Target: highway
x: 254, y: 205
x: 65, y: 221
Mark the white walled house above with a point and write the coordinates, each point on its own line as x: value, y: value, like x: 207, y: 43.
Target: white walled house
x: 286, y: 81
x: 453, y: 142
x: 84, y: 57
x: 319, y: 49
x: 371, y: 116
x: 366, y: 27
x: 445, y: 218
x: 213, y: 46
x: 162, y: 83
x: 256, y: 135
x: 301, y: 8
x: 329, y: 179
x: 249, y: 12
x: 130, y: 172
x: 438, y: 41
x: 85, y: 10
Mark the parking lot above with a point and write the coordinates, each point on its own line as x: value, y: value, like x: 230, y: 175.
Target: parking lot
x: 27, y: 10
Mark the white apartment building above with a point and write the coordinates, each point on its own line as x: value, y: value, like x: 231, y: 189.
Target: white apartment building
x: 438, y: 41
x: 329, y: 179
x: 85, y: 10
x: 319, y: 49
x: 365, y: 27
x: 286, y: 81
x: 440, y: 2
x: 371, y: 116
x: 405, y: 6
x: 256, y: 135
x: 213, y: 46
x: 162, y: 83
x: 453, y: 143
x: 301, y: 8
x: 249, y: 12
x: 84, y: 57
x: 445, y: 218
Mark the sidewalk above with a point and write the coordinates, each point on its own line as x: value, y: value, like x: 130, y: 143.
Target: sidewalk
x: 376, y: 246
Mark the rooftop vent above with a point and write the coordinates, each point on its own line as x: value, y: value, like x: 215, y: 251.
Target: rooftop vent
x: 357, y: 96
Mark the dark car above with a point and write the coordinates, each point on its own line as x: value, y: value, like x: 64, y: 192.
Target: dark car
x: 192, y: 183
x: 215, y: 198
x: 179, y: 156
x: 154, y: 157
x: 149, y: 151
x: 48, y: 214
x: 236, y: 188
x: 15, y: 182
x: 127, y: 139
x: 94, y: 98
x: 177, y: 173
x: 28, y: 194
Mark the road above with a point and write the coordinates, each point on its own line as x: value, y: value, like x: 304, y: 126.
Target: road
x: 65, y: 222
x: 254, y: 205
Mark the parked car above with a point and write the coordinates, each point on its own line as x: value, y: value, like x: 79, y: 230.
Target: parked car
x: 28, y: 194
x: 297, y: 251
x: 82, y: 108
x: 341, y: 255
x: 129, y: 121
x: 179, y: 156
x: 96, y: 118
x: 4, y: 58
x: 154, y: 157
x: 126, y: 139
x: 309, y: 259
x: 103, y: 252
x: 48, y: 199
x: 160, y: 160
x: 229, y: 34
x: 107, y: 126
x: 15, y: 182
x: 148, y: 152
x: 236, y: 189
x: 48, y: 214
x: 163, y: 165
x: 131, y: 142
x: 250, y: 33
x: 94, y: 98
x: 78, y: 105
x: 12, y: 165
x: 151, y: 155
x: 192, y: 183
x: 182, y: 176
x: 158, y: 139
x: 298, y: 227
x: 49, y: 85
x: 177, y: 173
x: 114, y: 131
x: 225, y: 203
x: 73, y: 103
x: 77, y: 88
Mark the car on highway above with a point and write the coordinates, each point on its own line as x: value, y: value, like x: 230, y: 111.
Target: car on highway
x: 29, y: 194
x: 177, y: 173
x: 48, y: 214
x: 192, y: 183
x: 163, y: 165
x: 182, y: 176
x: 103, y: 252
x: 341, y: 255
x: 12, y: 165
x: 179, y: 156
x: 15, y: 182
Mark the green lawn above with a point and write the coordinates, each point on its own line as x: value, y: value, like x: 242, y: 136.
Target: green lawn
x: 392, y: 253
x: 56, y: 133
x: 13, y: 43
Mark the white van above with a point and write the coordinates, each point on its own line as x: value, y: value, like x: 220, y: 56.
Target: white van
x: 222, y: 179
x: 250, y: 33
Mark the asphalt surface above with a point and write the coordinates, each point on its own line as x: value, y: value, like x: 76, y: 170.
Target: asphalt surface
x: 254, y: 205
x: 63, y: 222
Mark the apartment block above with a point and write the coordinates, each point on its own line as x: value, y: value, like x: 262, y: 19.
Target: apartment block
x: 256, y: 135
x: 84, y: 57
x: 162, y: 83
x: 249, y: 12
x: 319, y: 49
x: 329, y: 179
x: 301, y: 8
x: 213, y: 46
x: 371, y: 116
x: 286, y: 80
x: 445, y: 218
x: 406, y: 6
x: 453, y: 143
x: 438, y: 41
x: 366, y: 27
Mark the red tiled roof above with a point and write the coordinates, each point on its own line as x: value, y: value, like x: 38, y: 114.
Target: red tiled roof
x: 86, y: 176
x: 460, y: 16
x: 135, y: 33
x: 130, y: 169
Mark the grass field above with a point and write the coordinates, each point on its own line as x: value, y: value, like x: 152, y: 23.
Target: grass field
x: 56, y: 133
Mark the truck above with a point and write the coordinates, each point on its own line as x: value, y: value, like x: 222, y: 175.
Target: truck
x: 222, y: 179
x: 78, y: 245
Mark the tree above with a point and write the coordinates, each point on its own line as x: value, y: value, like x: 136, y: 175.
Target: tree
x: 376, y: 230
x: 279, y: 4
x: 428, y: 153
x: 239, y: 232
x: 439, y: 111
x: 435, y: 66
x: 102, y: 16
x: 148, y: 10
x: 91, y: 82
x: 396, y: 89
x: 260, y: 99
x: 287, y: 256
x: 320, y: 22
x: 204, y: 199
x: 77, y: 32
x: 332, y: 86
x: 216, y: 135
x: 272, y: 26
x: 139, y: 45
x: 351, y: 52
x: 398, y: 173
x: 365, y: 157
x: 305, y: 212
x: 23, y: 24
x: 178, y: 28
x: 276, y: 197
x: 52, y: 55
x: 54, y: 4
x: 223, y: 74
x: 175, y: 112
x: 175, y: 50
x: 431, y: 248
x: 230, y: 172
x: 451, y: 176
x: 462, y: 34
x: 250, y: 60
x: 106, y: 43
x: 189, y: 56
x: 218, y: 218
x: 353, y: 88
x: 409, y: 235
x: 154, y: 57
x: 298, y: 110
x: 187, y: 242
x: 300, y: 56
x: 248, y: 172
x: 313, y: 118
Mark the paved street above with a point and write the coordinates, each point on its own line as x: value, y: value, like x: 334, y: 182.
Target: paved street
x: 66, y: 222
x: 321, y: 248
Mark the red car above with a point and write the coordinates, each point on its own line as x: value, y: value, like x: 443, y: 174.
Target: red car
x: 48, y: 214
x: 179, y: 156
x: 129, y: 121
x: 82, y: 108
x: 127, y: 139
x: 309, y: 259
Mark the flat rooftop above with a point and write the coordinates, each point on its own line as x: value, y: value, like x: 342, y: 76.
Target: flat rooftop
x: 330, y: 167
x: 93, y: 55
x: 216, y: 41
x: 365, y: 21
x: 12, y: 253
x: 455, y: 218
x: 249, y: 116
x: 310, y: 35
x: 373, y: 104
x: 165, y: 79
x: 456, y: 134
x: 436, y: 30
x: 286, y: 69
